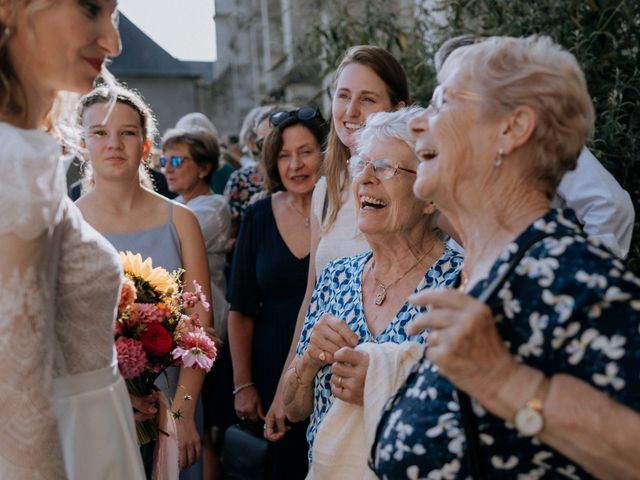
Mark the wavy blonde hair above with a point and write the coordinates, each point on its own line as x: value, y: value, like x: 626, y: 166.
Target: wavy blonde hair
x: 335, y: 169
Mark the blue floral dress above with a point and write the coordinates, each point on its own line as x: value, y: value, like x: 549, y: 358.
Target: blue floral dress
x: 569, y: 307
x: 339, y: 292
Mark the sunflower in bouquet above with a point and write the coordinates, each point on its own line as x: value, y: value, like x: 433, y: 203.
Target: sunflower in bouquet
x: 153, y: 331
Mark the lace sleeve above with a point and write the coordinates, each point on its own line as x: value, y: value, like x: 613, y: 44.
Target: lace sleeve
x: 32, y: 183
x: 29, y: 439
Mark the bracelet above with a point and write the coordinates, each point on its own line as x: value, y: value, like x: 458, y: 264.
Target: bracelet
x: 298, y: 377
x: 242, y: 387
x: 186, y: 396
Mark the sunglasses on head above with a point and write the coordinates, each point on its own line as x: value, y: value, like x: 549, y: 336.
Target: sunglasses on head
x: 174, y: 160
x: 304, y: 114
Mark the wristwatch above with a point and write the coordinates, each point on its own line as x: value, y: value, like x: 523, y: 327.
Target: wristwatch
x: 529, y: 420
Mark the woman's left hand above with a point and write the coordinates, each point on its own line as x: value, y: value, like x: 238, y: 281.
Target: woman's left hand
x: 349, y: 371
x: 463, y: 342
x: 189, y: 442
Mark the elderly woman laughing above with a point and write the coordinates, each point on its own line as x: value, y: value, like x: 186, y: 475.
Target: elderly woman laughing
x: 545, y: 340
x: 363, y: 298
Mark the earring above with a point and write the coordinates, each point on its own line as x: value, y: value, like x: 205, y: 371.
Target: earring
x: 5, y: 36
x: 498, y: 160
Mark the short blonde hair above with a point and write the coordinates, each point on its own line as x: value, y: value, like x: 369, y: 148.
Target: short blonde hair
x: 538, y: 73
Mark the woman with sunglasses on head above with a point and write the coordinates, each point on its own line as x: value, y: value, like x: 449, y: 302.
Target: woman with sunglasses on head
x: 60, y: 278
x: 268, y: 275
x: 368, y: 80
x: 118, y: 130
x: 362, y: 299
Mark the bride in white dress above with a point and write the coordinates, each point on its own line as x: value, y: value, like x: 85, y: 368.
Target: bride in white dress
x: 64, y: 408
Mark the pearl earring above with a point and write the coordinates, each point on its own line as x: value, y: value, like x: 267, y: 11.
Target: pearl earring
x: 498, y: 160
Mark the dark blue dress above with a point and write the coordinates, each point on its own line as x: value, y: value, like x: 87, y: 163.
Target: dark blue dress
x: 268, y: 284
x: 569, y: 307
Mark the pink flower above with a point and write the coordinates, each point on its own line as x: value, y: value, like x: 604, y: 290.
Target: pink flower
x: 151, y: 313
x: 132, y: 360
x: 190, y: 299
x: 117, y: 328
x: 201, y: 296
x: 127, y: 295
x: 195, y: 350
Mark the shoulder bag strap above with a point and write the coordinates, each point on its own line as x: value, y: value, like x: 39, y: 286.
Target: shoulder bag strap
x: 469, y: 420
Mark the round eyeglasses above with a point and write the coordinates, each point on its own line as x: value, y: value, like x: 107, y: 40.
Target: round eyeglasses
x: 174, y: 160
x: 383, y: 169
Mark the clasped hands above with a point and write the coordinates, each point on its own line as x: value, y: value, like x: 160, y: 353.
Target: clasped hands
x: 333, y: 342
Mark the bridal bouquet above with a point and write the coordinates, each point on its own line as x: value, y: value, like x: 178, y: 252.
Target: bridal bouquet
x: 153, y: 332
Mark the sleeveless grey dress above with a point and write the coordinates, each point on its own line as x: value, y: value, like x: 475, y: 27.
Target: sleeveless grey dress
x: 162, y: 244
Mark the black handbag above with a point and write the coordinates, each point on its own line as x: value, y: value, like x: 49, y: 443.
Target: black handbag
x: 244, y: 453
x: 469, y: 420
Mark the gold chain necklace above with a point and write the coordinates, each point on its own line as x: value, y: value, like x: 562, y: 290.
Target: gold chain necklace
x: 381, y: 288
x: 306, y: 217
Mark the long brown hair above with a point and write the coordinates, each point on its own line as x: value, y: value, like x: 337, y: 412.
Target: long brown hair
x: 335, y: 168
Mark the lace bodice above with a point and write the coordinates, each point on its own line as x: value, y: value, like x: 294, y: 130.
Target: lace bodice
x: 59, y: 288
x: 88, y: 285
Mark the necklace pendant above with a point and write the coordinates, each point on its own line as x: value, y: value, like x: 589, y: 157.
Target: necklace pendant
x: 306, y: 222
x: 381, y: 296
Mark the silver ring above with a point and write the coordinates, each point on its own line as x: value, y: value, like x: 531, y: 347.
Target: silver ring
x: 322, y: 357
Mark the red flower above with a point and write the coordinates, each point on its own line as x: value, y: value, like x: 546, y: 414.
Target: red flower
x: 156, y: 339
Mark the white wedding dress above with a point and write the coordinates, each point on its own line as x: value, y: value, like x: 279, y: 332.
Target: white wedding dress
x: 64, y: 408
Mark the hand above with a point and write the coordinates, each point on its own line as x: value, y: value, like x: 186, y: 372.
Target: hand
x: 248, y: 404
x: 464, y: 342
x: 274, y: 423
x: 189, y: 442
x: 329, y: 334
x: 213, y: 335
x: 349, y: 373
x: 145, y: 408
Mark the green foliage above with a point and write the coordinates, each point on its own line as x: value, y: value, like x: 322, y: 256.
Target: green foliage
x: 604, y: 35
x: 373, y: 22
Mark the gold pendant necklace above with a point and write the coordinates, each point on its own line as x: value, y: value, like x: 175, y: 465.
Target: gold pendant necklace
x: 306, y: 217
x: 381, y: 288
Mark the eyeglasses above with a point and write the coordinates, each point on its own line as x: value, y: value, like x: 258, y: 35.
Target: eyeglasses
x: 259, y: 145
x: 383, y: 169
x: 437, y: 99
x: 174, y: 160
x: 304, y: 114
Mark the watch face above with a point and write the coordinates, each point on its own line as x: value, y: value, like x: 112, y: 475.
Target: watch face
x: 529, y: 422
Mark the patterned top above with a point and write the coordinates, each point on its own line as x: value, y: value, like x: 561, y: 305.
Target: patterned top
x: 339, y: 292
x: 569, y: 307
x: 241, y: 186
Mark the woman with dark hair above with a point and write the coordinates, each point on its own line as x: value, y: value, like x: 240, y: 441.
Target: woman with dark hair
x: 269, y: 269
